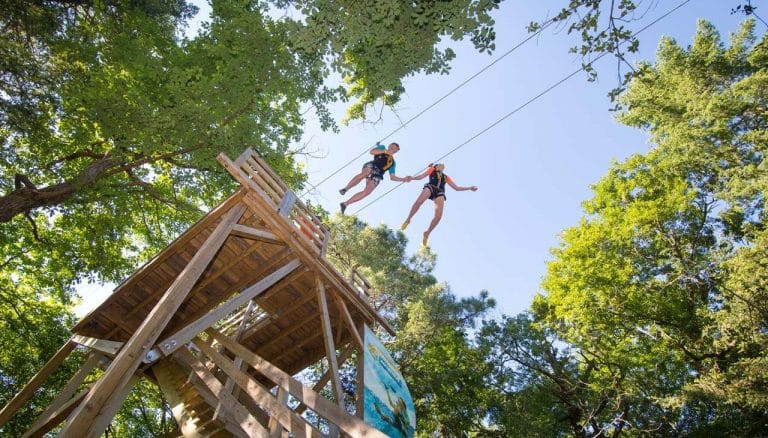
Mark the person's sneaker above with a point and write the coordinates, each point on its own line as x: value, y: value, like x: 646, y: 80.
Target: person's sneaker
x: 343, y: 207
x: 343, y: 191
x: 404, y: 225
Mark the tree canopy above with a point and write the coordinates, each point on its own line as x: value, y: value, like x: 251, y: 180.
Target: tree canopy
x: 652, y: 318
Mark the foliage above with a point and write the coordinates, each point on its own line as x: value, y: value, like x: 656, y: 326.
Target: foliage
x: 32, y: 329
x: 656, y: 290
x: 145, y: 413
x: 111, y: 120
x: 374, y: 45
x: 606, y: 28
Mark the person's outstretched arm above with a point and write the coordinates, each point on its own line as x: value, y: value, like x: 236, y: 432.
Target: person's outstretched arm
x: 394, y: 177
x: 459, y: 188
x: 424, y: 174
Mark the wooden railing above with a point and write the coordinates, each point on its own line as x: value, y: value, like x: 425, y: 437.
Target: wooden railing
x: 280, y: 197
x: 361, y: 284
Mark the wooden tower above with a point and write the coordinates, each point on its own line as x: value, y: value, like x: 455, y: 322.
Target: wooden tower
x: 221, y: 320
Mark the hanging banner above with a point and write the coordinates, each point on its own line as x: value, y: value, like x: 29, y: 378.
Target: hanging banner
x: 387, y: 404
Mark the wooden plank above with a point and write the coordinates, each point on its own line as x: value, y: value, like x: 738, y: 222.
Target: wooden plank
x: 330, y: 348
x: 258, y: 393
x: 34, y: 383
x: 232, y: 412
x: 69, y: 389
x: 326, y: 240
x: 99, y: 402
x: 102, y: 421
x: 257, y: 181
x: 103, y: 345
x: 330, y: 351
x: 44, y: 425
x: 347, y: 423
x: 275, y: 429
x: 181, y: 337
x: 274, y: 184
x: 229, y: 385
x: 256, y: 234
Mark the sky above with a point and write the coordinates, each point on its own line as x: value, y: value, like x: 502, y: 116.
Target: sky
x: 533, y: 169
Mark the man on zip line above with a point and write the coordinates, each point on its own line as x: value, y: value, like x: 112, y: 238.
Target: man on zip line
x: 434, y: 190
x: 373, y: 173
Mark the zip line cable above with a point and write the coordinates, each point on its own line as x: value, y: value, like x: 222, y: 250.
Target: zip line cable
x: 479, y: 72
x: 529, y: 101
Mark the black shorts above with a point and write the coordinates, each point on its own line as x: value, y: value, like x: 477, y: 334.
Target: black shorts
x: 376, y: 174
x: 435, y: 192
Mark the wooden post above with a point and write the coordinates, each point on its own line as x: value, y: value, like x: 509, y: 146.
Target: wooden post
x: 275, y: 429
x: 105, y: 397
x: 29, y: 389
x: 330, y: 348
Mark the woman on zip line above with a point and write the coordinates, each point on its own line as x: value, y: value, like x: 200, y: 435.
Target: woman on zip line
x: 434, y: 190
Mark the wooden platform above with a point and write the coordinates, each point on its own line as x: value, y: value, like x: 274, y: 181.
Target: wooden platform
x: 249, y: 278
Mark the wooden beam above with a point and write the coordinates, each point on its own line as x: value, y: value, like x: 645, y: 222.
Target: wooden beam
x: 330, y: 348
x: 69, y: 390
x: 348, y: 319
x: 280, y: 412
x: 44, y: 424
x: 34, y: 383
x: 232, y: 412
x: 322, y: 406
x: 229, y: 385
x: 256, y: 234
x: 101, y: 401
x: 275, y: 429
x: 103, y: 345
x: 181, y: 337
x: 101, y: 422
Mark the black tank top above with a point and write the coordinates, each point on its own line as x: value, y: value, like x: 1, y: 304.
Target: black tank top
x: 383, y: 161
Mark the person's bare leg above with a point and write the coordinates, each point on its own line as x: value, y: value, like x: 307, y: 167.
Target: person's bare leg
x: 416, y: 205
x: 356, y: 179
x: 439, y: 202
x: 369, y: 186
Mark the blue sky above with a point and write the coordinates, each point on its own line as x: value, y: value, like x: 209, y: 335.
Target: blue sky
x: 533, y: 169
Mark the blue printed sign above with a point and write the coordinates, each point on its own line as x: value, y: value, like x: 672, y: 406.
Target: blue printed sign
x: 387, y: 403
